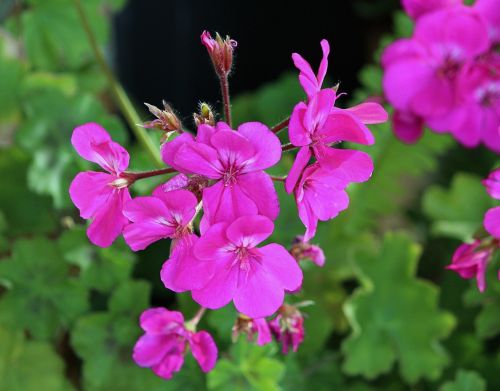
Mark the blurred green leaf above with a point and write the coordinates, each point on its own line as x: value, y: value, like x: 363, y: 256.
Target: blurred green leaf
x: 28, y: 365
x: 11, y: 74
x: 457, y: 212
x: 465, y: 381
x: 42, y: 296
x: 395, y: 317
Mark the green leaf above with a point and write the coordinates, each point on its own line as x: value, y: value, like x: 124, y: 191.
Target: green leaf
x: 251, y: 367
x: 457, y: 212
x: 11, y: 74
x: 29, y: 366
x: 395, y: 317
x: 465, y: 381
x: 403, y: 25
x: 42, y: 296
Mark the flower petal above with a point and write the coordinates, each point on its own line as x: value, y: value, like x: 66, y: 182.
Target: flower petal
x: 369, y: 113
x: 196, y: 158
x: 89, y: 191
x: 248, y: 231
x: 259, y: 188
x: 300, y: 162
x: 204, y: 350
x: 266, y: 144
x: 492, y: 222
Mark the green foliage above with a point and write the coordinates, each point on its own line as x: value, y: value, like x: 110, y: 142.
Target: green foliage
x: 395, y: 315
x: 457, y: 212
x: 465, y: 381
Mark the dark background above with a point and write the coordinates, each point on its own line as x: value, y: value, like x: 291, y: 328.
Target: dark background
x: 159, y: 54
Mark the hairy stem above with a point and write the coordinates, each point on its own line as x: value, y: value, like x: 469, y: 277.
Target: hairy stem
x: 279, y: 127
x: 224, y: 87
x: 278, y: 178
x: 148, y: 174
x: 119, y: 94
x: 288, y: 147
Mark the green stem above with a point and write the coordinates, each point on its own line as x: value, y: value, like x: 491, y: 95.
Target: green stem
x: 121, y: 97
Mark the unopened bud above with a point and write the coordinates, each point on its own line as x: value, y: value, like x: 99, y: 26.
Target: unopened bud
x: 220, y: 51
x: 251, y: 327
x: 165, y: 119
x: 120, y: 182
x: 288, y: 327
x: 205, y: 115
x: 301, y: 250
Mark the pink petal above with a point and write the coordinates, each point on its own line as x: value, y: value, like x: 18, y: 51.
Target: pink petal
x: 150, y: 350
x: 265, y: 143
x: 492, y: 184
x: 307, y: 77
x: 407, y: 126
x: 204, y: 350
x: 435, y: 97
x: 93, y: 143
x: 140, y: 235
x: 342, y: 125
x: 348, y: 165
x: 297, y: 132
x: 169, y: 149
x: 301, y: 161
x: 195, y: 158
x: 183, y: 271
x: 418, y: 8
x: 259, y: 188
x: 181, y: 205
x: 369, y: 113
x: 323, y: 66
x: 491, y: 12
x: 232, y: 148
x: 248, y: 231
x: 89, y: 191
x: 177, y: 182
x: 263, y: 331
x: 155, y: 320
x: 492, y: 222
x: 318, y: 110
x: 205, y: 133
x: 212, y: 244
x: 170, y: 364
x: 282, y: 266
x: 109, y: 220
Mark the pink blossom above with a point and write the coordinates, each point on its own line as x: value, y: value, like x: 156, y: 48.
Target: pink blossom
x: 469, y: 261
x: 288, y: 328
x: 234, y: 161
x: 418, y: 8
x: 163, y: 346
x: 490, y: 10
x: 492, y: 216
x: 302, y: 249
x: 252, y: 327
x: 100, y: 196
x: 420, y: 73
x: 254, y: 278
x: 407, y: 126
x: 492, y: 184
x: 163, y: 215
x: 320, y: 193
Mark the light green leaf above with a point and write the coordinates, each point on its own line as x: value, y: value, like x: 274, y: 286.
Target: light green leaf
x: 395, y: 317
x: 465, y: 381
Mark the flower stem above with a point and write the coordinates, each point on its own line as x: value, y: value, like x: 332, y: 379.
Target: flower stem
x: 224, y: 87
x: 199, y: 314
x: 279, y: 127
x: 288, y: 147
x: 278, y: 178
x: 120, y: 96
x: 148, y: 174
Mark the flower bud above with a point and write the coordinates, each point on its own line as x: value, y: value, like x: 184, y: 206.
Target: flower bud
x: 205, y: 115
x: 250, y: 327
x: 165, y: 119
x: 288, y: 327
x: 220, y: 51
x: 301, y: 250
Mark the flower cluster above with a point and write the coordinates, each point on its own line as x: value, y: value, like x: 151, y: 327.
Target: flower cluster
x: 471, y: 259
x: 220, y: 181
x: 447, y: 75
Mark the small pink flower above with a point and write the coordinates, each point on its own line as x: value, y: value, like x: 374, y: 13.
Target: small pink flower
x: 320, y: 193
x: 492, y: 216
x: 163, y: 346
x: 469, y: 261
x: 100, y: 196
x: 254, y: 278
x: 418, y: 8
x: 163, y: 215
x: 492, y: 184
x: 235, y: 162
x: 288, y: 328
x: 220, y: 51
x: 252, y: 327
x: 302, y: 249
x: 407, y: 127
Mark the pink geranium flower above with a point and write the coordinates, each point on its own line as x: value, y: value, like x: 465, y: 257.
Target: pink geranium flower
x: 320, y: 193
x: 254, y: 278
x: 490, y: 10
x: 235, y: 162
x: 163, y: 346
x: 100, y: 196
x: 418, y: 8
x: 492, y: 216
x: 471, y: 261
x: 288, y: 328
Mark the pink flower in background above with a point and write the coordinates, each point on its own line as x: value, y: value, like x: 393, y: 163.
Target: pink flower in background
x: 470, y: 261
x: 407, y: 126
x: 252, y: 327
x: 288, y: 328
x: 254, y: 278
x: 302, y: 249
x: 164, y: 343
x: 320, y: 193
x: 235, y: 161
x: 418, y: 8
x: 490, y: 10
x: 164, y: 215
x: 100, y: 196
x: 492, y: 216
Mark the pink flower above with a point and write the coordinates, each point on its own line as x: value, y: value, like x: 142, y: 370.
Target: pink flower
x: 254, y: 278
x: 418, y: 8
x: 252, y: 327
x: 420, y: 73
x: 164, y: 215
x: 288, y: 328
x: 302, y: 249
x: 407, y: 127
x: 320, y: 193
x: 100, y: 196
x: 235, y: 161
x: 469, y: 261
x: 164, y: 343
x: 490, y: 10
x: 492, y: 216
x: 220, y: 51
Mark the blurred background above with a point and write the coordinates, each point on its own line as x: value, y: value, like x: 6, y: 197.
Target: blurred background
x: 387, y: 316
